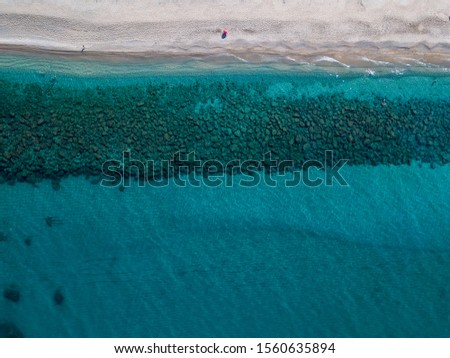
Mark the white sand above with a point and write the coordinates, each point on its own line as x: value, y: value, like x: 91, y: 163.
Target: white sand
x: 194, y: 26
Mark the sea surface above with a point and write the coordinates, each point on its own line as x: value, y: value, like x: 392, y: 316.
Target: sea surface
x: 368, y: 258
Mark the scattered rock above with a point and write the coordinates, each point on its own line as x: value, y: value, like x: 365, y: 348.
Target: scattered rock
x: 10, y: 330
x: 12, y: 293
x: 76, y: 134
x: 58, y: 297
x: 56, y: 185
x: 51, y: 221
x: 96, y: 180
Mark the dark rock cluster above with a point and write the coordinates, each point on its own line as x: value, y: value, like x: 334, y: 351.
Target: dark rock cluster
x: 53, y: 132
x: 12, y: 293
x: 10, y: 330
x: 58, y: 297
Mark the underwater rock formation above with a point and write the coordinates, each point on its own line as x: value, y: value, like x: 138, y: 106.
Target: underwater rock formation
x: 58, y: 297
x: 74, y: 131
x: 12, y: 293
x: 50, y: 221
x: 10, y: 330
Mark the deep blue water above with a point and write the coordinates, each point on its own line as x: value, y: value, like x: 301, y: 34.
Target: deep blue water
x: 371, y: 259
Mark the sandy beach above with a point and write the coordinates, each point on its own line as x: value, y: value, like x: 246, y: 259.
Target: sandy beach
x: 378, y: 28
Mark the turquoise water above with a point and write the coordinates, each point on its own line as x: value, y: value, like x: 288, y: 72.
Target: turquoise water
x: 366, y: 259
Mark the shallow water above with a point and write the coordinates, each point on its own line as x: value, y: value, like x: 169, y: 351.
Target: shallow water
x: 370, y: 259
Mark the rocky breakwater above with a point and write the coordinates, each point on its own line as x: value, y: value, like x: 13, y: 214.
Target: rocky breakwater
x: 53, y: 132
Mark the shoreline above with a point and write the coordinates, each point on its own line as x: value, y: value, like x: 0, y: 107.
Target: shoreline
x: 345, y: 57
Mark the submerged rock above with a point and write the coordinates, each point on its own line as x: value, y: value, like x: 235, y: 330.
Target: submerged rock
x: 28, y: 240
x: 56, y: 185
x: 12, y: 293
x: 10, y: 330
x: 50, y: 221
x: 58, y: 297
x: 239, y: 122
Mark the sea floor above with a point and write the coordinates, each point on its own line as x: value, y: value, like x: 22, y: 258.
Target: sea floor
x: 367, y: 260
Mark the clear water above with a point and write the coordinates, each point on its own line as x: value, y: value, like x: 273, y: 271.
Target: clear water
x: 371, y: 259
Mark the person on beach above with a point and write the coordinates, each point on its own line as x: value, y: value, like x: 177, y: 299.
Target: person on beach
x: 82, y: 49
x: 224, y: 34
